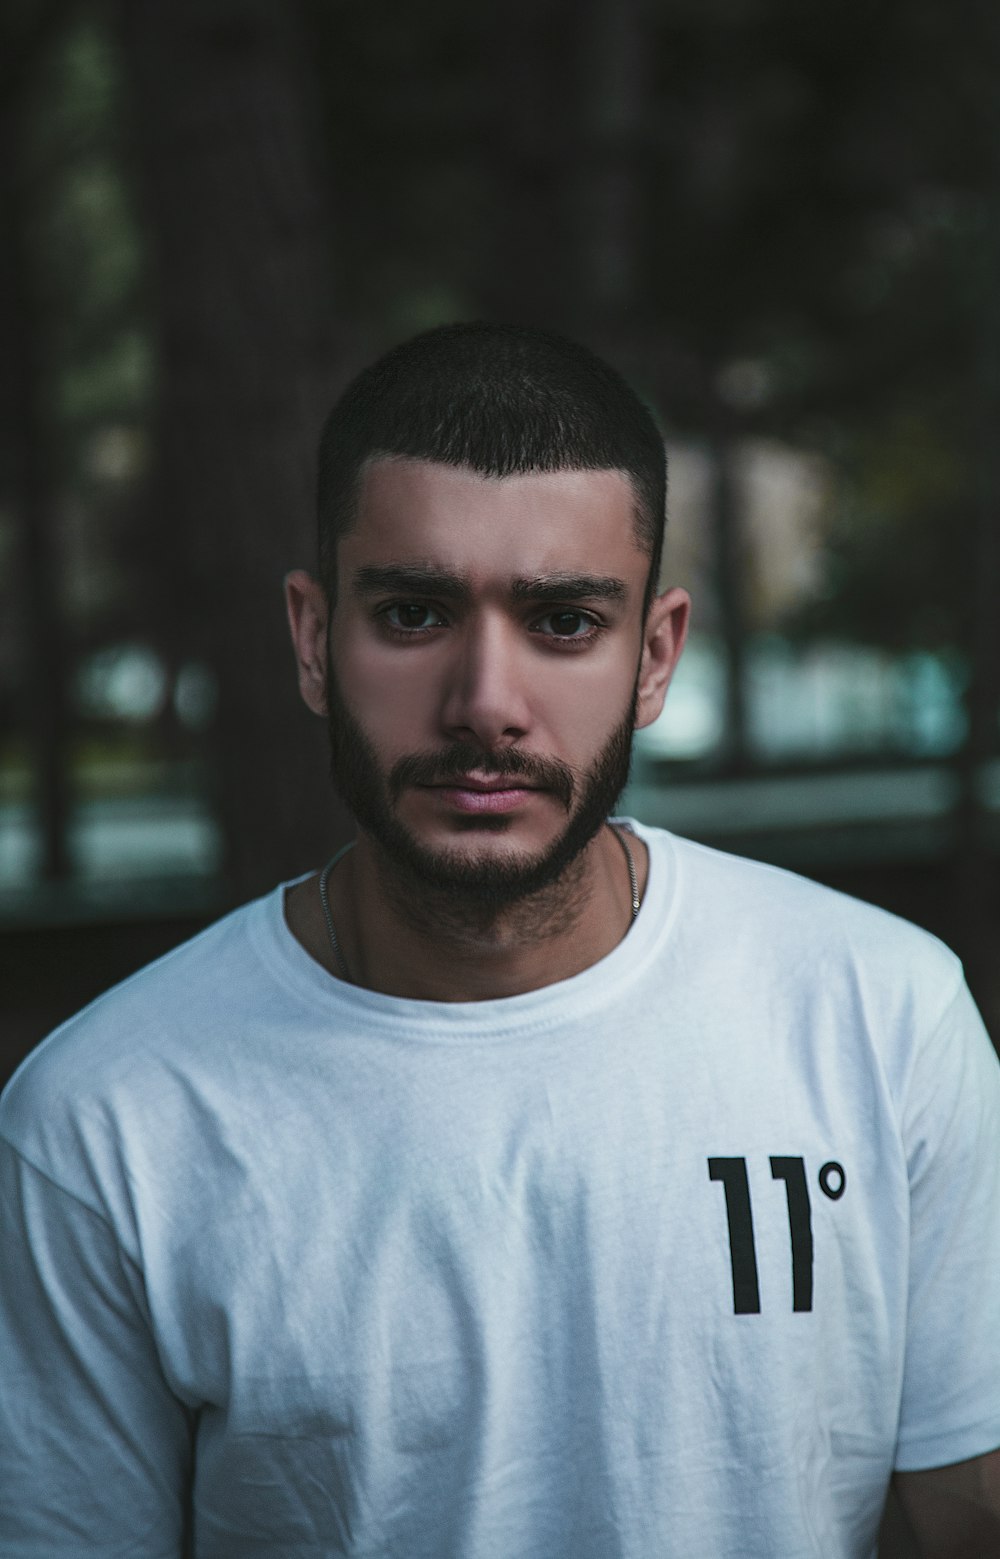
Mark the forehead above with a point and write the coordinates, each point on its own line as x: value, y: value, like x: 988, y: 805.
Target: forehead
x: 421, y: 511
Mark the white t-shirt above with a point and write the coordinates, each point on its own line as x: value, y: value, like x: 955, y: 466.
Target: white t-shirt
x: 678, y: 1257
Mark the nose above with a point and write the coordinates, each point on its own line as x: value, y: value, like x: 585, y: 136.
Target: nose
x: 485, y: 697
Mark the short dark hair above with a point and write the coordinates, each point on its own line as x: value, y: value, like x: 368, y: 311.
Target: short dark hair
x: 501, y: 399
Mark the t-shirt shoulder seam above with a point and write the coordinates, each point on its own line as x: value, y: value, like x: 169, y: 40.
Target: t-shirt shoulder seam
x: 953, y: 995
x: 55, y: 1185
x: 930, y: 1032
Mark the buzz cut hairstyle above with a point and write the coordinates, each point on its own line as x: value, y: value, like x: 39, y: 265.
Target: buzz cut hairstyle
x: 502, y: 400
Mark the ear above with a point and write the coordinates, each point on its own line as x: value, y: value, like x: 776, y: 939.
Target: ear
x: 662, y: 642
x: 308, y: 618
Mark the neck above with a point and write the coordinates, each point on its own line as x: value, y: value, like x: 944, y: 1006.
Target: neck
x: 461, y: 921
x: 402, y: 938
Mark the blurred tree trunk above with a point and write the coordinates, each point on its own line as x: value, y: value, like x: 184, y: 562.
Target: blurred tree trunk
x: 568, y: 102
x: 975, y: 876
x: 730, y: 585
x: 227, y: 160
x: 535, y: 81
x: 609, y: 177
x: 34, y: 503
x: 27, y: 464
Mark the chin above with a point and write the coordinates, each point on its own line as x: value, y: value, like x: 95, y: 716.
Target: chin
x: 517, y: 838
x: 483, y: 860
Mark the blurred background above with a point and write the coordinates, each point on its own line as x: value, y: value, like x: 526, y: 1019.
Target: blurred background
x: 781, y: 220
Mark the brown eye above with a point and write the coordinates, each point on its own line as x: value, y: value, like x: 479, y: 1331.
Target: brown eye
x: 412, y: 616
x: 568, y: 624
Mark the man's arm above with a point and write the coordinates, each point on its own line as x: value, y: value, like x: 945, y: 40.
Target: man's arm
x: 954, y: 1512
x: 95, y: 1450
x: 950, y: 1401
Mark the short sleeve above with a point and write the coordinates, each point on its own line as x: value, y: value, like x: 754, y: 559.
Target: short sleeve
x: 94, y: 1448
x: 951, y: 1126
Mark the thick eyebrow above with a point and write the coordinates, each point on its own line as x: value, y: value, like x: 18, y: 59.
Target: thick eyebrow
x: 569, y: 587
x: 421, y: 579
x: 373, y: 578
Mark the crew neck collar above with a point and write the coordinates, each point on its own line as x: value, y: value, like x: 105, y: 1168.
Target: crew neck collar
x: 313, y: 985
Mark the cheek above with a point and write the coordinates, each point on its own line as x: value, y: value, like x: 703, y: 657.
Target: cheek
x: 389, y: 695
x: 592, y: 687
x: 576, y: 708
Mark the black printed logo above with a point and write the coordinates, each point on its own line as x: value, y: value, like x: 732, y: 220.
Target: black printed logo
x: 732, y: 1173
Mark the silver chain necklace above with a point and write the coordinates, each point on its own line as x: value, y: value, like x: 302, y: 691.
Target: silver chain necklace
x: 324, y: 878
x: 633, y: 880
x: 324, y: 898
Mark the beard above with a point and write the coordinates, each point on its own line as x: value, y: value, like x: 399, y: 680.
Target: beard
x: 485, y: 887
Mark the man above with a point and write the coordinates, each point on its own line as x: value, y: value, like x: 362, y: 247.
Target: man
x: 526, y: 1185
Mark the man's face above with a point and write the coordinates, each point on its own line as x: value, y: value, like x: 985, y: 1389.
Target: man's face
x: 485, y: 657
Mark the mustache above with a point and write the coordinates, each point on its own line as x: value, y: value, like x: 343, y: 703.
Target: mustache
x: 462, y: 758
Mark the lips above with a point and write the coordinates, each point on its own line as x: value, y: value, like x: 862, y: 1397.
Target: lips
x: 495, y: 794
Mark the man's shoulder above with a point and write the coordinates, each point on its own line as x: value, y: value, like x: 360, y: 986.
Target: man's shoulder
x: 122, y: 1038
x: 768, y: 909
